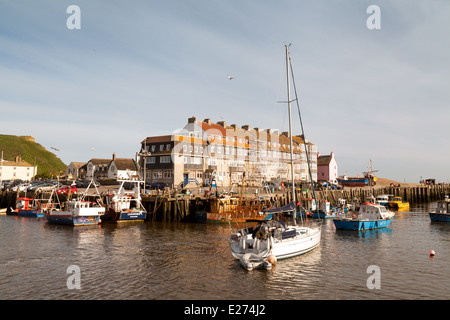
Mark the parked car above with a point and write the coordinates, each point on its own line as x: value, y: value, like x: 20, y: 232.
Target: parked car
x: 65, y: 189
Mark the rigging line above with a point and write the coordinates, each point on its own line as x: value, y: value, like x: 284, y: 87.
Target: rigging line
x: 304, y: 138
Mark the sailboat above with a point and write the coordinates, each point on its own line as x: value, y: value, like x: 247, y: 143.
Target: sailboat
x: 272, y: 240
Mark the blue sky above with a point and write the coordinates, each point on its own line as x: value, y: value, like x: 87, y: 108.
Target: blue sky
x: 141, y: 68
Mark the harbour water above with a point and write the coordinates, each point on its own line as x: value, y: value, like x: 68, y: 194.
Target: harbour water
x: 184, y: 261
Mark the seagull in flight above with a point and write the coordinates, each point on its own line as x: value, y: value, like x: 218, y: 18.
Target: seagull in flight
x: 55, y: 149
x: 230, y: 77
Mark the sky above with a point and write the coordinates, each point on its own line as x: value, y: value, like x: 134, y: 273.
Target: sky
x: 141, y: 68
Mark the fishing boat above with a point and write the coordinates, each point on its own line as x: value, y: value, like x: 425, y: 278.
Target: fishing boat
x: 369, y: 216
x: 397, y: 203
x: 28, y: 207
x: 77, y: 212
x: 383, y: 199
x: 442, y: 211
x: 125, y: 206
x: 272, y: 240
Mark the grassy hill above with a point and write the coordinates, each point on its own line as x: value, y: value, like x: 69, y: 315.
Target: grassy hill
x: 32, y: 152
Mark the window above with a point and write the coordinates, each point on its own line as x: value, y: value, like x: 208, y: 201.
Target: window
x: 153, y: 148
x: 161, y: 147
x: 164, y: 159
x: 151, y: 160
x: 168, y: 147
x: 185, y: 148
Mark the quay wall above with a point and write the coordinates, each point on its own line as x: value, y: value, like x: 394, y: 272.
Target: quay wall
x: 182, y: 208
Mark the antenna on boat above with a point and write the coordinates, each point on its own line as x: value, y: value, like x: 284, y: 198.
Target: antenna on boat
x: 288, y: 59
x: 304, y: 138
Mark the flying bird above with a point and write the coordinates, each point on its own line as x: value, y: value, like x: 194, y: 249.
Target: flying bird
x: 55, y: 149
x: 230, y: 77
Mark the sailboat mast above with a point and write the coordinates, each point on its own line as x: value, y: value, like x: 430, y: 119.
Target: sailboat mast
x: 290, y: 122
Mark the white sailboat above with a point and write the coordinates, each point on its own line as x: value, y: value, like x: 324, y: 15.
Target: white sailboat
x: 269, y: 241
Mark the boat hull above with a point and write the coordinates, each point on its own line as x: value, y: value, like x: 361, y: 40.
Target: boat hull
x: 73, y: 220
x: 355, y: 224
x: 297, y: 247
x: 125, y: 216
x: 284, y: 249
x: 445, y: 217
x: 30, y: 213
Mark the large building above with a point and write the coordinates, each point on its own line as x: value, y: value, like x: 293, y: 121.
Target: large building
x: 17, y: 170
x: 205, y: 153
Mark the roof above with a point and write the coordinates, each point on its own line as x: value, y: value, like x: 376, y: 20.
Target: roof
x: 21, y: 163
x: 97, y: 162
x: 125, y: 164
x: 78, y: 165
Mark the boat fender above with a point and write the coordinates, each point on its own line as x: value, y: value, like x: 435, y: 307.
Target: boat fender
x: 243, y: 243
x: 261, y: 234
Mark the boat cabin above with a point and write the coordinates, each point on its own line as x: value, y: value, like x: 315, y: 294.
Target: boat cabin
x: 443, y: 206
x: 373, y: 212
x: 27, y: 204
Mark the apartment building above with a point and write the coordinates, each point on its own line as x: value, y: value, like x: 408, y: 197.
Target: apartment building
x: 204, y: 153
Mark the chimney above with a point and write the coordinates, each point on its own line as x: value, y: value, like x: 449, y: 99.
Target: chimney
x: 222, y: 123
x: 192, y: 119
x: 207, y: 121
x: 234, y: 126
x: 114, y: 156
x: 246, y: 127
x: 18, y: 158
x: 269, y: 131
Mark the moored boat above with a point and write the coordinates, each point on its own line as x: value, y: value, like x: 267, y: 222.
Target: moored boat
x: 442, y: 211
x: 76, y: 213
x: 272, y: 238
x: 369, y: 216
x: 28, y: 207
x: 398, y: 203
x: 125, y: 206
x: 383, y: 199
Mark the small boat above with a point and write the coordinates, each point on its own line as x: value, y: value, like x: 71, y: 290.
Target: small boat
x: 254, y: 246
x: 28, y: 207
x: 383, y: 199
x: 369, y: 216
x: 125, y: 206
x: 3, y: 211
x: 397, y: 203
x: 442, y: 212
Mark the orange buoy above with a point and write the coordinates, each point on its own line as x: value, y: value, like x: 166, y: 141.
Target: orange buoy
x: 432, y: 253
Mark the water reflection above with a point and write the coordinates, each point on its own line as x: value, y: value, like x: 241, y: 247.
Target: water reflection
x: 157, y: 260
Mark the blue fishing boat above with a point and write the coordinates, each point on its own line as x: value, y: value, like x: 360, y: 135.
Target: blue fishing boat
x: 369, y: 216
x: 125, y: 206
x: 442, y: 212
x: 28, y: 207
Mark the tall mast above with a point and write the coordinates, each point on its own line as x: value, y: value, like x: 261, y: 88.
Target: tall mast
x: 290, y: 123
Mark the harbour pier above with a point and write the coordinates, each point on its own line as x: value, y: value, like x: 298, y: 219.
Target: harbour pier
x: 182, y: 207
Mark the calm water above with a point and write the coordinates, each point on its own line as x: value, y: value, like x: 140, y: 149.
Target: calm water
x: 192, y: 261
